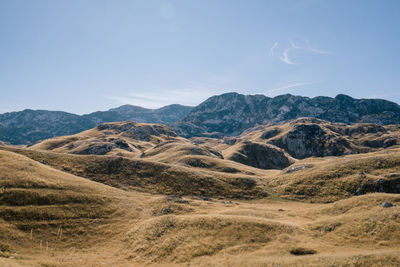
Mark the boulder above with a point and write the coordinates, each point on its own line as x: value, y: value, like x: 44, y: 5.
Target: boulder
x: 386, y: 205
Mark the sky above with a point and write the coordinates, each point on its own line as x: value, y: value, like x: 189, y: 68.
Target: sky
x: 82, y: 56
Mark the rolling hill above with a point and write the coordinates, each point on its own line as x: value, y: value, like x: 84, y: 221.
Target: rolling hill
x: 153, y: 158
x: 306, y: 192
x: 50, y: 217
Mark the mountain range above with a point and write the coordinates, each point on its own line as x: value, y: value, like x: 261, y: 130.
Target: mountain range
x: 223, y: 115
x: 30, y: 126
x: 232, y: 113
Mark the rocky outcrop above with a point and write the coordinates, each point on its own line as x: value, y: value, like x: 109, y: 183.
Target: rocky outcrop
x: 390, y: 183
x: 99, y: 147
x: 308, y: 140
x: 95, y: 149
x: 298, y: 168
x: 310, y: 137
x: 259, y: 155
x: 386, y: 205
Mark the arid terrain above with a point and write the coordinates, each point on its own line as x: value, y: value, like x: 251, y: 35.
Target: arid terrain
x: 304, y: 193
x: 227, y: 133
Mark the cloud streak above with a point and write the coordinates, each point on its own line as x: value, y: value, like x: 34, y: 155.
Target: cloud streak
x: 154, y: 100
x: 307, y: 47
x: 288, y: 87
x: 293, y: 47
x: 272, y: 49
x: 285, y: 57
x: 316, y: 50
x: 190, y: 93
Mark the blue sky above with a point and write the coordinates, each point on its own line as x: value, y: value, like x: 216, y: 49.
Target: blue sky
x: 86, y: 55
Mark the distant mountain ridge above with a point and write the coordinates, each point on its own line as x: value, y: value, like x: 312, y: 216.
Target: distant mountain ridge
x: 222, y: 115
x: 165, y: 115
x: 30, y: 126
x: 232, y: 113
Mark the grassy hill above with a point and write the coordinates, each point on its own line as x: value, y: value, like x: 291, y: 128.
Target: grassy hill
x: 43, y: 209
x: 167, y: 200
x: 52, y: 218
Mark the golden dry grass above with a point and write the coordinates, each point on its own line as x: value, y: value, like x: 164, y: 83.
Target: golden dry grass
x: 43, y: 209
x: 112, y: 210
x: 149, y: 176
x: 333, y: 178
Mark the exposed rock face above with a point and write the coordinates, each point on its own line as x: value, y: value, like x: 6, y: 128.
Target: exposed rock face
x: 307, y: 140
x: 232, y: 113
x: 388, y: 184
x: 99, y: 147
x: 227, y: 114
x: 95, y: 149
x: 310, y: 137
x: 298, y: 168
x: 260, y: 156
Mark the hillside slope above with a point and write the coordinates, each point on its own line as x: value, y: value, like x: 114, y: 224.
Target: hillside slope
x: 41, y: 207
x: 59, y: 208
x: 266, y: 160
x: 309, y: 137
x: 52, y: 218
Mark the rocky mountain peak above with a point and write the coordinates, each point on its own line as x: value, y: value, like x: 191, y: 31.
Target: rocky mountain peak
x: 232, y: 113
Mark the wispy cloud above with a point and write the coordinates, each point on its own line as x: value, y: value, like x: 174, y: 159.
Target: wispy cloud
x: 157, y: 99
x: 317, y: 50
x: 285, y: 57
x: 295, y: 46
x: 288, y: 87
x: 309, y: 48
x: 305, y: 46
x: 320, y: 51
x: 189, y: 93
x: 272, y: 49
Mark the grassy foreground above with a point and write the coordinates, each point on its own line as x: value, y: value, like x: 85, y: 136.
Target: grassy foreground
x: 50, y: 217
